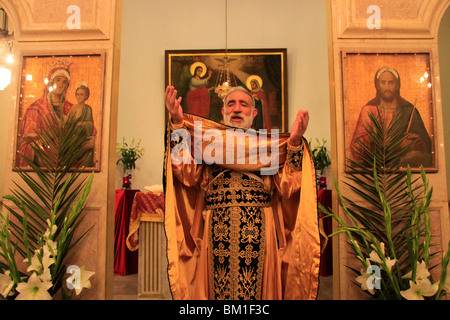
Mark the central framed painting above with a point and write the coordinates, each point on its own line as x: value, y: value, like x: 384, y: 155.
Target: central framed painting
x: 201, y: 78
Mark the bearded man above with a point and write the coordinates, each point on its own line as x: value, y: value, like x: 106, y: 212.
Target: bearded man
x: 235, y: 231
x: 391, y: 104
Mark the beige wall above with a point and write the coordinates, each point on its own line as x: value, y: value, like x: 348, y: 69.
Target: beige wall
x: 444, y: 53
x: 151, y: 26
x: 5, y: 99
x: 44, y: 30
x: 406, y: 26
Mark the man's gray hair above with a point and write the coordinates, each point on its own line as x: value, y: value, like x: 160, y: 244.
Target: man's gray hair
x: 239, y: 88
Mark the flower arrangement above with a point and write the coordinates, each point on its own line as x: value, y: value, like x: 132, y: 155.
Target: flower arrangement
x: 41, y: 224
x: 129, y: 154
x: 391, y: 234
x: 321, y: 155
x: 43, y: 265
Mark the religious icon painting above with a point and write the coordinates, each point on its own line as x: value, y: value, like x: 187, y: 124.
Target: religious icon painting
x: 202, y: 78
x: 390, y: 85
x: 60, y: 87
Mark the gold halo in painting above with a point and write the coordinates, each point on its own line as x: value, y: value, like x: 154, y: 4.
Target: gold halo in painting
x: 251, y: 78
x: 198, y: 64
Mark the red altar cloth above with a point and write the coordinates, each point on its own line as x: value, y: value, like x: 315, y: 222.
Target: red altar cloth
x: 147, y: 206
x: 326, y: 261
x: 125, y: 261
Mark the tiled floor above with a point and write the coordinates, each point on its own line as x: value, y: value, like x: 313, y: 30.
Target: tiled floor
x: 326, y: 288
x: 126, y: 287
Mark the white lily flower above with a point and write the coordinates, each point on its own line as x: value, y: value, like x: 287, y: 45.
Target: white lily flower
x: 53, y: 245
x: 363, y: 279
x: 373, y: 256
x: 34, y: 289
x: 46, y: 276
x: 51, y: 230
x: 6, y: 284
x: 421, y: 272
x: 82, y: 282
x: 423, y: 288
x: 37, y: 266
x: 390, y: 263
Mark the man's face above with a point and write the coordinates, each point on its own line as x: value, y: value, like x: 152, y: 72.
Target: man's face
x: 238, y: 110
x: 59, y: 84
x: 388, y: 86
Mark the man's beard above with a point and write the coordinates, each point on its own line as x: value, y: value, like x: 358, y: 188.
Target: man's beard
x: 245, y: 124
x: 389, y: 98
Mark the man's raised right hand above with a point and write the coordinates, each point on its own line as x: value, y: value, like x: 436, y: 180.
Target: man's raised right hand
x: 173, y: 105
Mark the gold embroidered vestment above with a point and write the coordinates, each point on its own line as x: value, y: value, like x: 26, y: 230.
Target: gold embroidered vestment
x: 233, y: 233
x: 236, y: 234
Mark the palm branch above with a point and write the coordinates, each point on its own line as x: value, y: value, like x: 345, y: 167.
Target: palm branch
x: 53, y: 190
x: 389, y: 206
x: 381, y: 157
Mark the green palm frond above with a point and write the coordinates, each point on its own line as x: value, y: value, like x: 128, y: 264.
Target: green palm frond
x: 382, y: 157
x: 388, y: 205
x: 55, y: 188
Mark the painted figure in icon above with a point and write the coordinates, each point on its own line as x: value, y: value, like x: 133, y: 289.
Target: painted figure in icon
x: 389, y: 101
x: 53, y: 103
x: 83, y: 112
x: 198, y: 98
x: 262, y: 120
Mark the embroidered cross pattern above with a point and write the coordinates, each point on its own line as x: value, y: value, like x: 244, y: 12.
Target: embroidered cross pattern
x: 248, y: 254
x: 236, y: 238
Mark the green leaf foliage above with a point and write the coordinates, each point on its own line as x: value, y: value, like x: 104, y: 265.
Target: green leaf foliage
x: 387, y: 215
x: 129, y: 154
x: 321, y: 155
x: 54, y: 189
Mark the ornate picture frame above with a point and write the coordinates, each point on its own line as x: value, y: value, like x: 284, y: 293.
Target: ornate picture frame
x: 361, y: 73
x: 84, y: 72
x: 264, y: 69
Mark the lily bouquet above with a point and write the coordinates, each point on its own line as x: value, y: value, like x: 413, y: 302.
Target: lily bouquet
x: 40, y: 226
x: 390, y: 235
x: 321, y: 155
x: 129, y: 154
x: 40, y: 277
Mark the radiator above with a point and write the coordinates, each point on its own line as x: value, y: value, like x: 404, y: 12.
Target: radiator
x: 152, y: 270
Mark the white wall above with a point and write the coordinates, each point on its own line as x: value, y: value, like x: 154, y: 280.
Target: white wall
x: 152, y: 26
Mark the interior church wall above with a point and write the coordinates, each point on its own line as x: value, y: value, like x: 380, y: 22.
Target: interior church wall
x: 151, y: 27
x: 48, y: 28
x: 402, y: 27
x: 444, y: 65
x: 5, y: 98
